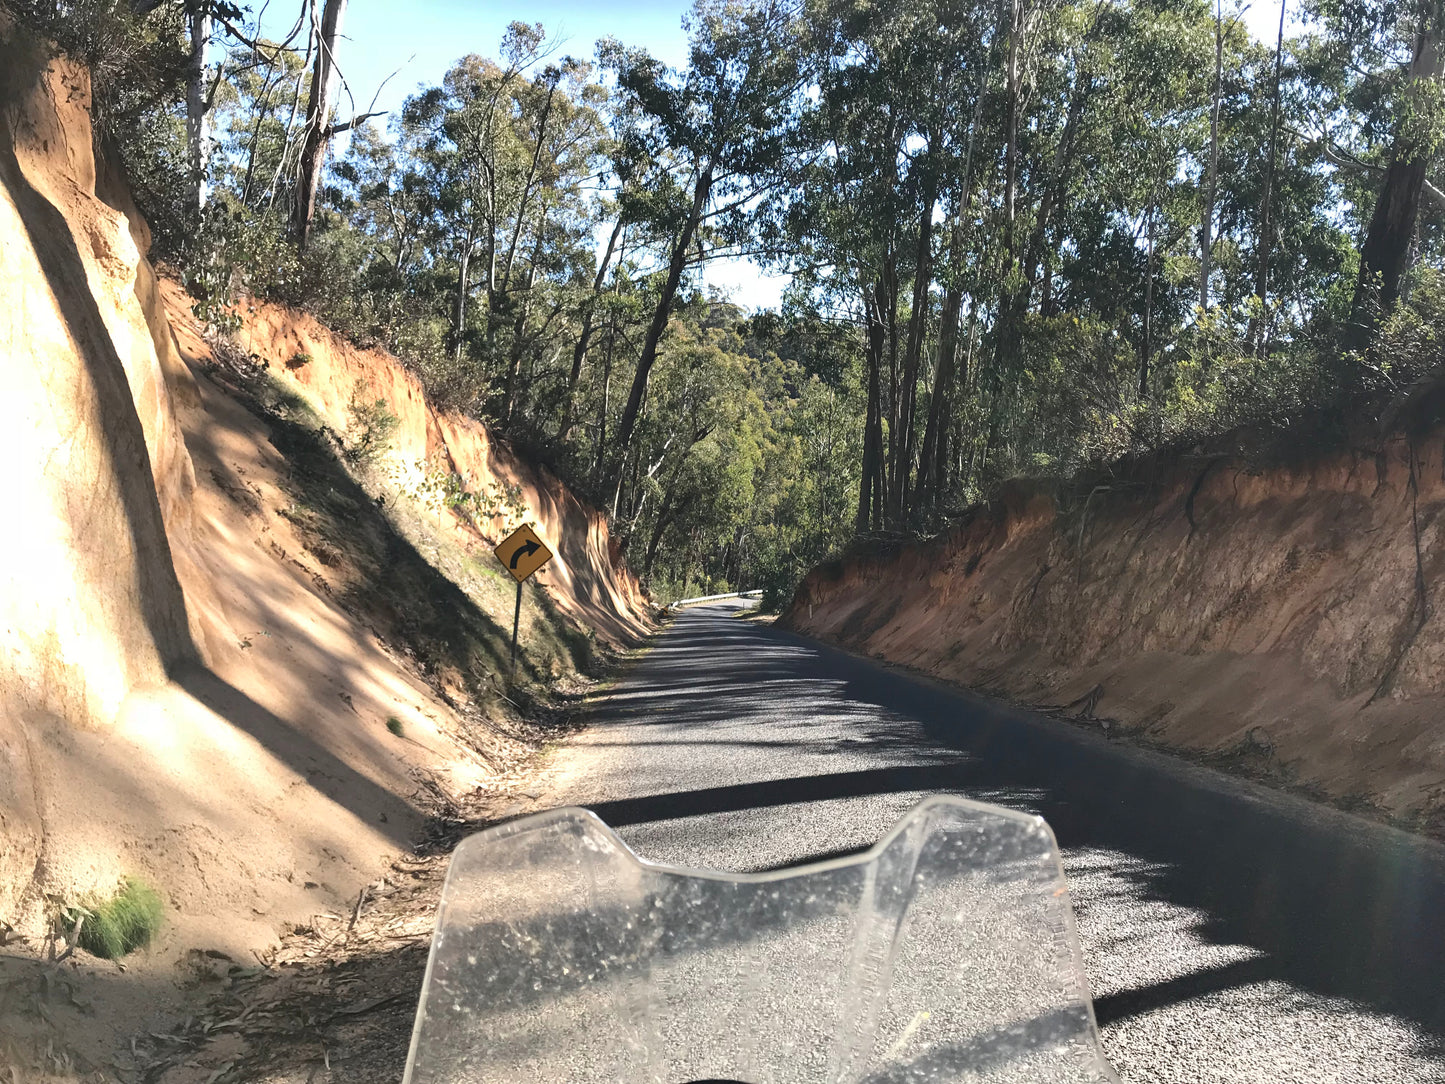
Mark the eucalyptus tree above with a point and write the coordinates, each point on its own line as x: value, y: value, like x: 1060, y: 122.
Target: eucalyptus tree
x: 325, y: 30
x: 464, y: 144
x: 1415, y: 145
x: 508, y: 154
x: 703, y: 419
x: 713, y: 140
x: 1374, y: 78
x: 256, y: 120
x: 390, y: 202
x: 900, y: 117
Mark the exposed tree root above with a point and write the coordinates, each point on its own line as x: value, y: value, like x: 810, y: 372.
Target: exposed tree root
x: 1420, y: 607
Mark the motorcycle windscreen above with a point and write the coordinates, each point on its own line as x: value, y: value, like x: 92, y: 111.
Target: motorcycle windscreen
x: 946, y: 952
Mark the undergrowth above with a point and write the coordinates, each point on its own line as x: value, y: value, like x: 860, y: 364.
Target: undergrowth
x: 116, y: 927
x: 371, y: 427
x: 435, y: 607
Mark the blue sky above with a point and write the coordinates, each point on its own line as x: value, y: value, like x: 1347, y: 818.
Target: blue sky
x: 423, y: 38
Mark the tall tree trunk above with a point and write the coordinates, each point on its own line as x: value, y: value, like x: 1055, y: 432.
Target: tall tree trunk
x: 528, y: 183
x: 944, y: 479
x: 579, y: 355
x: 888, y: 392
x: 1148, y: 348
x: 913, y: 352
x: 281, y: 160
x: 579, y: 352
x: 1011, y: 127
x: 702, y: 189
x: 201, y: 26
x: 1206, y: 220
x: 1014, y: 304
x: 1006, y: 324
x: 1266, y: 226
x: 1384, y: 257
x: 1061, y: 174
x: 263, y: 109
x: 318, y: 119
x: 519, y: 324
x: 666, y: 516
x: 930, y: 463
x: 636, y: 495
x: 459, y: 306
x: 871, y: 483
x: 600, y: 462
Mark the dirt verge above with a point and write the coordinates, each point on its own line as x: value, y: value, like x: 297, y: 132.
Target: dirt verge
x: 336, y: 1000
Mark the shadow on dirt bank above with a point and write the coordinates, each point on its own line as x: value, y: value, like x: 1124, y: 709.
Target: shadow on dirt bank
x: 380, y: 576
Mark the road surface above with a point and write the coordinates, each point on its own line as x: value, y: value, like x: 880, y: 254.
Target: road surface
x: 1231, y: 933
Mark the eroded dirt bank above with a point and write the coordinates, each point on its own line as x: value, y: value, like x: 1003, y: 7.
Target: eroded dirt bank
x: 1284, y: 621
x: 229, y: 665
x: 430, y: 448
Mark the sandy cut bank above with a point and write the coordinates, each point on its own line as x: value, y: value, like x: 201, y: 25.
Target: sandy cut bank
x: 228, y: 668
x: 1278, y: 621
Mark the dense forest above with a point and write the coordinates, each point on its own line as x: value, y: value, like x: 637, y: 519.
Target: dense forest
x: 1024, y: 237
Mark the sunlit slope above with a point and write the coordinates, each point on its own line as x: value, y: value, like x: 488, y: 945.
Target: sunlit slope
x: 429, y: 450
x: 197, y: 687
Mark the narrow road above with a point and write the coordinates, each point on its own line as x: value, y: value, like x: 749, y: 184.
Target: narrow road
x: 1231, y: 933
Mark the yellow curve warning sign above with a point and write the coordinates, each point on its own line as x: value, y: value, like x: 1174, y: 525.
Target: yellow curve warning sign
x: 522, y: 552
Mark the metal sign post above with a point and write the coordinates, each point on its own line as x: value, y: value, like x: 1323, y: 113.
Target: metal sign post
x: 516, y: 620
x: 522, y: 553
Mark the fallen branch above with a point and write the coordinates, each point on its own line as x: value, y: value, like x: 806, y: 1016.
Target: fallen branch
x: 1086, y: 703
x: 356, y: 911
x: 70, y: 942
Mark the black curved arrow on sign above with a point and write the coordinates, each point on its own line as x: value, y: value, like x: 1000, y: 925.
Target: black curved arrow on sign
x: 526, y: 549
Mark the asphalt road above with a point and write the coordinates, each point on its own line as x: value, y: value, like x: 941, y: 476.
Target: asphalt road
x: 1231, y: 933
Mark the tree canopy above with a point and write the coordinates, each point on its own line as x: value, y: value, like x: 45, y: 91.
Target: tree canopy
x: 1024, y: 237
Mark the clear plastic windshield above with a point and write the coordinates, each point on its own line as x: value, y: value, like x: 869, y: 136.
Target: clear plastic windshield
x: 944, y: 953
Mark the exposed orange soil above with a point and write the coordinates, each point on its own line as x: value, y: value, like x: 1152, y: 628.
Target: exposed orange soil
x: 183, y: 695
x: 1268, y: 617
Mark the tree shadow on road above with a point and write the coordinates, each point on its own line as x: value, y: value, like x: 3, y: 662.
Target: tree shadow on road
x: 1329, y: 905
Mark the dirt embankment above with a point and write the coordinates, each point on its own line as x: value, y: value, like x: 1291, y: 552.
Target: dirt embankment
x: 225, y: 667
x: 587, y: 579
x: 1285, y: 621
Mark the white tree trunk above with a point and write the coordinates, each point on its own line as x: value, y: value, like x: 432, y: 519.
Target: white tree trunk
x: 1206, y: 224
x: 198, y: 112
x: 318, y: 117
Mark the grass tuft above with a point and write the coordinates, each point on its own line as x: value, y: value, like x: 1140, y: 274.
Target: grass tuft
x: 394, y: 725
x: 120, y: 925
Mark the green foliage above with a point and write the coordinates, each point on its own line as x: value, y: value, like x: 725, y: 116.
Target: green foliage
x: 370, y: 429
x: 115, y: 927
x: 394, y: 725
x: 138, y: 67
x: 236, y: 250
x: 1410, y: 348
x: 995, y: 219
x: 444, y: 488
